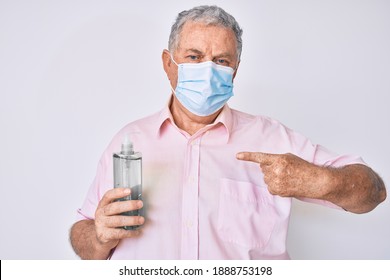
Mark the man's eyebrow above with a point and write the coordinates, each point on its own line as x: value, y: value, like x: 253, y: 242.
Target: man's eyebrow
x: 194, y: 51
x: 225, y: 54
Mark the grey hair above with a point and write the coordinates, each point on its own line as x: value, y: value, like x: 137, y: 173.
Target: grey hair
x: 210, y: 15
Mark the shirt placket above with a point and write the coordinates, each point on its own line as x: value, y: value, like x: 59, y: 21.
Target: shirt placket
x: 190, y: 202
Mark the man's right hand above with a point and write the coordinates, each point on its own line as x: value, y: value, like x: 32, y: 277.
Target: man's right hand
x: 108, y: 221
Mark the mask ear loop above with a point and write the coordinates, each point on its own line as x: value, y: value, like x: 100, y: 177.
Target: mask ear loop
x: 174, y: 61
x: 174, y: 91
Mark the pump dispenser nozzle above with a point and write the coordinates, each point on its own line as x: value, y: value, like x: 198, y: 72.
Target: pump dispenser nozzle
x: 127, y: 146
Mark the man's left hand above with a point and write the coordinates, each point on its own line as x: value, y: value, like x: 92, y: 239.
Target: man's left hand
x: 288, y: 175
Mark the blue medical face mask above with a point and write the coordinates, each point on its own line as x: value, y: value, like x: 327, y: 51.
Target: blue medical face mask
x: 203, y: 88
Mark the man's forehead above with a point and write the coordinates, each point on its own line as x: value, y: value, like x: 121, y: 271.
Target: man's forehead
x: 198, y: 36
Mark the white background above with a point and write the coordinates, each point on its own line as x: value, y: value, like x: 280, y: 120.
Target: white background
x: 72, y: 73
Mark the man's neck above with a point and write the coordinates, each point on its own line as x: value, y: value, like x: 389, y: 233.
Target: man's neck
x: 187, y: 121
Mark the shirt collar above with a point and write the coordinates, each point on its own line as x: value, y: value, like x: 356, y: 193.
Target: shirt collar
x: 224, y: 121
x: 164, y: 118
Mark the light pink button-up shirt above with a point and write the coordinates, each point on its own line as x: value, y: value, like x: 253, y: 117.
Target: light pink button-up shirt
x: 200, y: 202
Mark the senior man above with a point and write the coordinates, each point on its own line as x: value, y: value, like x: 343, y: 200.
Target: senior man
x: 204, y: 195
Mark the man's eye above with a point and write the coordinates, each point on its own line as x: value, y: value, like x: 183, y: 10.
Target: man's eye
x: 222, y: 62
x: 193, y: 57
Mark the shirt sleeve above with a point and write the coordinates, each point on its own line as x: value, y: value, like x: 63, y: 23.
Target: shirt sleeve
x: 324, y: 157
x: 101, y: 183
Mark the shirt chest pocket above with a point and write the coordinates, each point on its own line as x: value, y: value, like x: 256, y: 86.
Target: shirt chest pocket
x: 246, y: 215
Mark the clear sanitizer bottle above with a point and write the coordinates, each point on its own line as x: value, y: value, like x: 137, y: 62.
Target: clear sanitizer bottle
x: 128, y: 174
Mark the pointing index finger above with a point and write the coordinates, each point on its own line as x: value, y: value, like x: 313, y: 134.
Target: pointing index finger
x: 257, y: 157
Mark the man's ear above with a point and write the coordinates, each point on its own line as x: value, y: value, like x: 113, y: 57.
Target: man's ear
x: 166, y: 60
x: 235, y: 71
